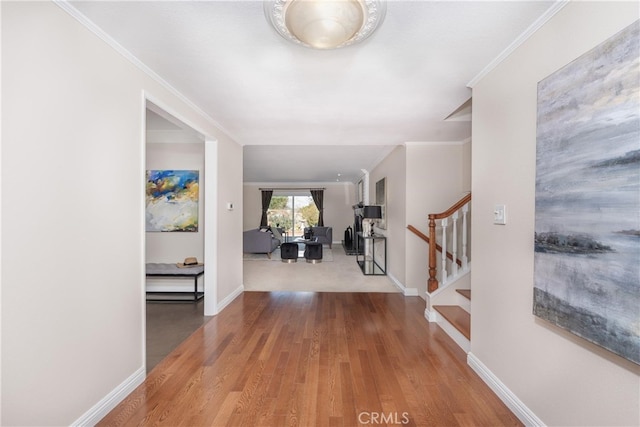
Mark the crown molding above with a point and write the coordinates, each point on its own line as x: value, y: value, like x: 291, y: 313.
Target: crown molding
x: 537, y: 24
x: 436, y: 143
x: 101, y: 34
x: 383, y: 155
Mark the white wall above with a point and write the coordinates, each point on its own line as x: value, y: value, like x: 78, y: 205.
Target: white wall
x: 438, y: 175
x: 227, y: 235
x: 393, y: 168
x: 564, y: 380
x: 73, y: 215
x: 175, y: 247
x: 338, y: 201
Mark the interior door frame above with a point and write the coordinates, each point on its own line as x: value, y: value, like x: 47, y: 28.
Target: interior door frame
x: 209, y: 198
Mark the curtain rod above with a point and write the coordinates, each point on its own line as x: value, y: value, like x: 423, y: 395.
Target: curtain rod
x: 297, y: 188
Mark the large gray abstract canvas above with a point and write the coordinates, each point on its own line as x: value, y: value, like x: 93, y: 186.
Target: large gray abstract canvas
x: 587, y: 223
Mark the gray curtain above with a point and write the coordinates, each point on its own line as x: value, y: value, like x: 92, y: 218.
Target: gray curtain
x: 318, y: 199
x: 266, y: 201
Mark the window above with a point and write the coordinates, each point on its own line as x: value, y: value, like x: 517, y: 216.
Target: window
x: 292, y: 212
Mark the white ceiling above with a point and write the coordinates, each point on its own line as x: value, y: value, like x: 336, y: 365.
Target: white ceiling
x: 313, y: 114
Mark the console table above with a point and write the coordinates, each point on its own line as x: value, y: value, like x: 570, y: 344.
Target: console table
x: 172, y: 270
x: 367, y: 261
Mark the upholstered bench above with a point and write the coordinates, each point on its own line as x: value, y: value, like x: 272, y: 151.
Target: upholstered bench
x: 172, y: 270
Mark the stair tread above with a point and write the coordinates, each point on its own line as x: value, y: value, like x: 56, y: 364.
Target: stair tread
x: 457, y: 316
x: 465, y: 293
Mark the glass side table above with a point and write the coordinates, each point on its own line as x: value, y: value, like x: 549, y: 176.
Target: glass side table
x: 373, y: 259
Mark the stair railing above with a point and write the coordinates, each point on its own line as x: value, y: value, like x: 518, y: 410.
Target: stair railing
x: 455, y: 219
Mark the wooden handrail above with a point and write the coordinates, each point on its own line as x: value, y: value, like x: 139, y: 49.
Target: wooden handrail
x: 426, y: 239
x: 418, y: 233
x: 460, y: 203
x: 432, y: 282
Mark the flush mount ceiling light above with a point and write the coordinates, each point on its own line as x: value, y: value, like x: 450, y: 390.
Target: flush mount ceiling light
x: 325, y: 24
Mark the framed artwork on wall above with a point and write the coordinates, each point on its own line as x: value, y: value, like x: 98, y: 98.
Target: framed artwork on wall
x: 381, y: 200
x: 587, y: 227
x: 360, y: 192
x: 172, y: 200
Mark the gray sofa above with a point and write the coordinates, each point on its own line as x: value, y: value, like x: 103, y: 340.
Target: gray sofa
x: 323, y: 235
x: 259, y: 242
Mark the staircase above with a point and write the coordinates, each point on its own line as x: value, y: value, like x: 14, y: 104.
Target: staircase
x: 448, y: 287
x: 455, y: 320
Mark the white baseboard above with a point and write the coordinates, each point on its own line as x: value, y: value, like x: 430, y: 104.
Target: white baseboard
x: 104, y: 406
x: 411, y: 292
x: 233, y: 295
x: 520, y: 410
x: 407, y: 292
x: 111, y: 400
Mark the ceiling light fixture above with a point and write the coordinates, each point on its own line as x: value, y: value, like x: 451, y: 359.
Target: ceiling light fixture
x: 325, y: 24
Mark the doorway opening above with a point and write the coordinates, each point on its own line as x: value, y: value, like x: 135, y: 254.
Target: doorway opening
x: 174, y: 147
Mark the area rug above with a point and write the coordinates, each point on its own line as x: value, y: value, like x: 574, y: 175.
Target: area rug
x: 327, y: 256
x: 342, y: 274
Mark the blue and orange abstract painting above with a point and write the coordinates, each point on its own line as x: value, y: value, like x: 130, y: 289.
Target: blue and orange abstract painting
x: 172, y: 200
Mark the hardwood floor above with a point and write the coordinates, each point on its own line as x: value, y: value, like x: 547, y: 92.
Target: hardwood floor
x: 315, y: 359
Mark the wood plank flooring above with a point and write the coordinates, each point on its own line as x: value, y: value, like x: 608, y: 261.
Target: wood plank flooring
x: 315, y: 359
x: 457, y: 317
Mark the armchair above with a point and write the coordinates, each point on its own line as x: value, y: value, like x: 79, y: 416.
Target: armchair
x: 323, y: 235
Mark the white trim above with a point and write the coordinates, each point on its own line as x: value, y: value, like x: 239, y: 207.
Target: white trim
x: 86, y: 22
x: 143, y: 228
x: 436, y: 143
x: 1, y: 216
x: 537, y: 24
x: 453, y: 333
x: 463, y: 302
x: 383, y: 155
x: 411, y: 292
x: 407, y: 292
x: 156, y: 105
x: 430, y: 315
x: 211, y: 307
x: 520, y: 410
x: 229, y: 299
x: 111, y: 400
x: 451, y: 281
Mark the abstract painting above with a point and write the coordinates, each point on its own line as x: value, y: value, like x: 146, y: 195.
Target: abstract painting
x: 172, y: 200
x: 587, y: 218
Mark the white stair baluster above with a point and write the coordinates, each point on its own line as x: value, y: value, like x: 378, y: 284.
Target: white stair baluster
x: 454, y: 244
x: 445, y: 223
x: 465, y: 259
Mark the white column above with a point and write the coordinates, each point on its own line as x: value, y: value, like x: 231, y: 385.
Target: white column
x: 211, y: 228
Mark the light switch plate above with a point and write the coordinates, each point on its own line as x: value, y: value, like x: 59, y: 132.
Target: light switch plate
x: 500, y: 215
